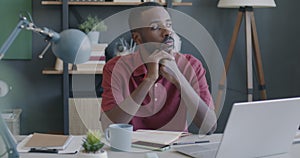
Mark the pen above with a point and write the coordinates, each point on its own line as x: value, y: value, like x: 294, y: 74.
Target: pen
x: 34, y: 150
x: 296, y: 141
x: 196, y: 142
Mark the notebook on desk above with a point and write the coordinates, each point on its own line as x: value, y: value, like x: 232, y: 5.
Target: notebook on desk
x: 254, y: 129
x: 50, y: 141
x: 157, y: 136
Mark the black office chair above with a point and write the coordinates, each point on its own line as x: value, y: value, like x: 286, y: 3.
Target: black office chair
x: 120, y: 45
x: 114, y: 48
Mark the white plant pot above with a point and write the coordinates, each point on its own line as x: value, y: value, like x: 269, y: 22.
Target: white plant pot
x: 102, y: 154
x: 93, y: 36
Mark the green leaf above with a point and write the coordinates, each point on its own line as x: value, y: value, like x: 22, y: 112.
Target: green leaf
x: 92, y: 24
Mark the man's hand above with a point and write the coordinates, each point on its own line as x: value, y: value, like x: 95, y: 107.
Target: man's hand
x: 169, y: 70
x: 153, y: 61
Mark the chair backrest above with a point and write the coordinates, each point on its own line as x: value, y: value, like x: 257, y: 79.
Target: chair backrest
x: 119, y: 45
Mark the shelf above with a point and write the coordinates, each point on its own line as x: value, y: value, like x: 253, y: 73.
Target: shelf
x: 110, y: 3
x: 71, y: 72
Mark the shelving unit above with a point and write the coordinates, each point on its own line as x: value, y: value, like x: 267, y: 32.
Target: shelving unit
x: 110, y: 3
x: 67, y: 3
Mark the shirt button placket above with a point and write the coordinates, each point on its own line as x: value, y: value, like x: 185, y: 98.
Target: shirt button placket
x: 155, y: 90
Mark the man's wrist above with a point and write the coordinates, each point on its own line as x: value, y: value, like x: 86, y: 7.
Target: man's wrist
x: 177, y: 84
x: 150, y: 79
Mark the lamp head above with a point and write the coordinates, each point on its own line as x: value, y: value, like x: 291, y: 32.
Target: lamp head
x: 244, y: 3
x: 72, y: 46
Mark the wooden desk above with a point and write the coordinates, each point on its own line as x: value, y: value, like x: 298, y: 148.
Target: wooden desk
x: 295, y: 151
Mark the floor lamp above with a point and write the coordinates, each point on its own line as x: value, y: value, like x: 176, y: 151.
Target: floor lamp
x: 246, y: 11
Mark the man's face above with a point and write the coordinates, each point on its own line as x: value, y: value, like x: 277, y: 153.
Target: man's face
x: 156, y: 31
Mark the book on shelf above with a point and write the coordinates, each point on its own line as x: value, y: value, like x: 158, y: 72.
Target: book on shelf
x: 91, y: 66
x: 97, y: 59
x: 99, y: 46
x: 98, y: 51
x: 48, y: 141
x: 95, y: 62
x: 157, y: 136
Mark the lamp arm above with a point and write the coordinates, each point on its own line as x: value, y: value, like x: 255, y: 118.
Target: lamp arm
x: 23, y: 21
x: 7, y: 139
x: 49, y: 35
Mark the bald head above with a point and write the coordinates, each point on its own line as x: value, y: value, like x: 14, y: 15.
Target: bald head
x: 137, y: 17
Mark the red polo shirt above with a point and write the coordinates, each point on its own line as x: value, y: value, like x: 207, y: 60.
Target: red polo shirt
x: 163, y: 107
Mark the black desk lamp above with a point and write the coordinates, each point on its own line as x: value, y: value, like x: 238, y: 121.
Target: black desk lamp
x: 72, y: 46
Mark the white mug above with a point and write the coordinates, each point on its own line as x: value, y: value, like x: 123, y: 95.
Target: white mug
x: 119, y: 136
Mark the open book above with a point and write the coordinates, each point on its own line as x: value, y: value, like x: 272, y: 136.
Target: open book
x: 156, y: 136
x: 48, y: 141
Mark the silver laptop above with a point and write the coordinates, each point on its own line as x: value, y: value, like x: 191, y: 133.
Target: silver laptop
x: 254, y: 129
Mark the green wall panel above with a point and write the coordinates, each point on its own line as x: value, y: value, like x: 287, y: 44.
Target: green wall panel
x: 10, y: 11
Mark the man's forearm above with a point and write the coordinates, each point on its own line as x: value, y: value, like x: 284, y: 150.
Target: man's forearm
x: 124, y: 112
x: 203, y: 116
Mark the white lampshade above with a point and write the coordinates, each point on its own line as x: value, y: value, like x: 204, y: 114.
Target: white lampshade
x: 244, y: 3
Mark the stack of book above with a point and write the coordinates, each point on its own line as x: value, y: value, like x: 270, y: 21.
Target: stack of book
x: 97, y: 59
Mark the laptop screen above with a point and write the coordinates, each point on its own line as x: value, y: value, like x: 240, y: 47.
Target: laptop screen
x: 260, y: 128
x: 254, y: 129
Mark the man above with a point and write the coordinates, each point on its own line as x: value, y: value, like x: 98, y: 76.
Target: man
x: 155, y: 87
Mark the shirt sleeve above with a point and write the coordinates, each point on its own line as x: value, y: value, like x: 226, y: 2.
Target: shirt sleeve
x: 199, y: 83
x: 108, y: 96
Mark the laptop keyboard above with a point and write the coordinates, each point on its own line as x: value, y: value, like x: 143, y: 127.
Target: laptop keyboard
x: 208, y: 150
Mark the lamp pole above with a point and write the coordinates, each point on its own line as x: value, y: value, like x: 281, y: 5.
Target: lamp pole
x: 251, y: 42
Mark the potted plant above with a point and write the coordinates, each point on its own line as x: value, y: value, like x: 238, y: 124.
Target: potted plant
x: 92, y: 146
x: 92, y: 26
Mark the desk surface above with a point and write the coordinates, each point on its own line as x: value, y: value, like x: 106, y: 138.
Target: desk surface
x: 295, y: 151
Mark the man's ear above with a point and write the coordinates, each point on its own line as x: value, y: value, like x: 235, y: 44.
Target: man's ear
x: 136, y: 36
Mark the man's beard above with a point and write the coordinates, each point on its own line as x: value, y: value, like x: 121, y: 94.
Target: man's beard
x: 153, y: 46
x: 165, y: 46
